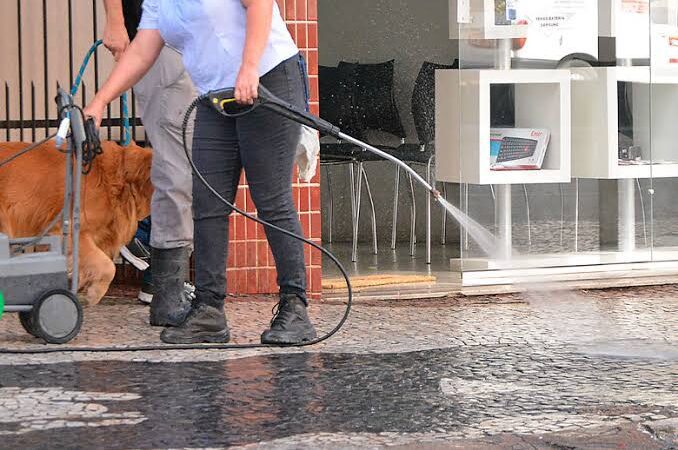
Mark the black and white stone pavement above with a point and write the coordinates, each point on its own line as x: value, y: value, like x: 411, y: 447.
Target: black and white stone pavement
x: 596, y: 369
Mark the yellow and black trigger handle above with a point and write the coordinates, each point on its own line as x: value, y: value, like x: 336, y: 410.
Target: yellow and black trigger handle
x: 223, y: 100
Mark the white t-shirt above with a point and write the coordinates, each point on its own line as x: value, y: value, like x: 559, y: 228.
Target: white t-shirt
x: 210, y: 34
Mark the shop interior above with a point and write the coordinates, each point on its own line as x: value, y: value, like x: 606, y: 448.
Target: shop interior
x: 547, y: 122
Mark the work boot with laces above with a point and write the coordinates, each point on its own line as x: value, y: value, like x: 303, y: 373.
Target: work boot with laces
x: 206, y: 323
x: 290, y: 324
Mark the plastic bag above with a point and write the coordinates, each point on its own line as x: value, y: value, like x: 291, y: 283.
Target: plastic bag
x: 308, y: 150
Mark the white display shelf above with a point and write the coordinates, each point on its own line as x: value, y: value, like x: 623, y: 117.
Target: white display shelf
x: 595, y: 121
x: 542, y: 100
x: 475, y: 19
x: 602, y: 267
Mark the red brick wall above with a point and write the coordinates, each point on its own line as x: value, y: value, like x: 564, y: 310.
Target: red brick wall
x: 251, y: 266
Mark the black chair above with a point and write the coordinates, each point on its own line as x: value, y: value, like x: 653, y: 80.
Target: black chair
x: 421, y: 153
x: 376, y: 108
x: 338, y: 106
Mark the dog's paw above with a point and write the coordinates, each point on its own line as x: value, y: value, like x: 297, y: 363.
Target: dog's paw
x: 86, y: 301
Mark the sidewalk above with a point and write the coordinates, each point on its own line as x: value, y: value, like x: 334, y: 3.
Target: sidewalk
x: 596, y: 369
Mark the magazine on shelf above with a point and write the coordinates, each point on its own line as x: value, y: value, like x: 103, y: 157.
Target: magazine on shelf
x: 518, y: 148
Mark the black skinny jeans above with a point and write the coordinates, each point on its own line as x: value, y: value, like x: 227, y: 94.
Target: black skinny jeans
x: 262, y: 143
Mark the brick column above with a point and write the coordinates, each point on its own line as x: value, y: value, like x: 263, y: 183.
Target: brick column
x: 251, y: 267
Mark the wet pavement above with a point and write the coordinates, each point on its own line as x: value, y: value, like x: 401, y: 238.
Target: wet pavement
x: 595, y: 369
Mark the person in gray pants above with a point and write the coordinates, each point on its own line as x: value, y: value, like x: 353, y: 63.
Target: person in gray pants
x: 162, y: 96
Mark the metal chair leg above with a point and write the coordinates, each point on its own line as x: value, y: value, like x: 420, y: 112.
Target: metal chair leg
x: 428, y: 211
x: 466, y: 189
x: 529, y: 223
x: 354, y: 226
x: 576, y: 215
x: 328, y: 176
x: 413, y: 217
x: 394, y: 227
x: 562, y: 215
x: 374, y: 214
x: 443, y: 235
x: 642, y: 207
x: 358, y: 204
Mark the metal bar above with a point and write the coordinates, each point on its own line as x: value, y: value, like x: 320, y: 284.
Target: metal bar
x: 33, y: 137
x: 328, y: 176
x: 627, y: 215
x: 358, y: 204
x: 413, y: 217
x: 68, y: 194
x: 374, y: 214
x: 503, y: 219
x: 466, y: 210
x: 388, y: 157
x: 353, y: 210
x: 78, y: 137
x: 21, y: 69
x: 428, y: 212
x: 95, y: 32
x: 394, y: 226
x: 576, y: 215
x: 70, y: 43
x: 562, y: 214
x: 45, y: 63
x: 122, y: 128
x: 529, y: 222
x: 108, y: 115
x: 18, y: 308
x: 502, y: 57
x: 443, y: 234
x: 28, y: 240
x: 134, y: 115
x: 7, y: 114
x: 642, y: 206
x: 52, y: 123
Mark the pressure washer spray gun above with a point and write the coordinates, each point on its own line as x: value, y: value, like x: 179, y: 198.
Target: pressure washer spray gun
x: 223, y: 101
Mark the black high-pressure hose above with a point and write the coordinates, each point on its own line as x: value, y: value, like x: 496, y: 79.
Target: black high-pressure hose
x: 218, y: 101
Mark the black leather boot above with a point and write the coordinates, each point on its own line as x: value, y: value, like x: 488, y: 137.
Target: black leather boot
x: 170, y: 304
x: 206, y: 323
x: 290, y: 324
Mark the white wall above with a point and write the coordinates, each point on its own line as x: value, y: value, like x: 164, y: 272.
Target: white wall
x: 369, y: 31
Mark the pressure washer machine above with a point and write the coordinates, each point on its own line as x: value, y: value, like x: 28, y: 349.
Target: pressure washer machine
x: 36, y: 284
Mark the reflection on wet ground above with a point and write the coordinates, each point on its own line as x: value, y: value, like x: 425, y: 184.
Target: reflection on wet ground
x: 453, y: 393
x: 591, y: 370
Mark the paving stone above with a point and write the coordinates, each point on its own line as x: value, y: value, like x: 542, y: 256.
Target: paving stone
x: 450, y: 371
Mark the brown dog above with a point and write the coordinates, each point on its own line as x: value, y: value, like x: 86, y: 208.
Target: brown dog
x: 116, y: 194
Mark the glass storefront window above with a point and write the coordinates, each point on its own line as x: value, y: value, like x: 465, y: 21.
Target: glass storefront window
x: 553, y: 129
x: 598, y: 79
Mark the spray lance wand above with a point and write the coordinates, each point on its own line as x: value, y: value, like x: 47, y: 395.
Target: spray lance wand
x: 223, y: 101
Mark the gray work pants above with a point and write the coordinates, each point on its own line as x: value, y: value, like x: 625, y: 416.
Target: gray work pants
x: 163, y: 96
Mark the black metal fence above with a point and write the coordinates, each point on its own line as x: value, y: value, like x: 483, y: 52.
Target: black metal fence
x: 28, y: 110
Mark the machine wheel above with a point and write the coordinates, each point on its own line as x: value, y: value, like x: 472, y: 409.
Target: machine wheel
x: 26, y: 319
x: 57, y: 316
